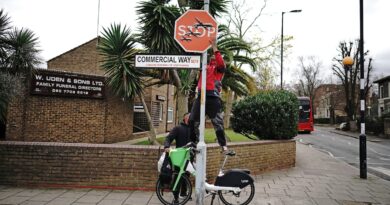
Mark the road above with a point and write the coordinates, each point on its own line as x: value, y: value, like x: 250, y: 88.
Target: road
x: 346, y: 148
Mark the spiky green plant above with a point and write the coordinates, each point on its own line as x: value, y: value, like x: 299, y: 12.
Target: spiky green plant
x: 117, y: 47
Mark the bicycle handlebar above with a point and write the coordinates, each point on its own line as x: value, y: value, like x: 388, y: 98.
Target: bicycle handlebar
x: 190, y: 145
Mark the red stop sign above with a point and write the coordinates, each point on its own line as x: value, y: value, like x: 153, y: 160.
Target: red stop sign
x: 194, y: 30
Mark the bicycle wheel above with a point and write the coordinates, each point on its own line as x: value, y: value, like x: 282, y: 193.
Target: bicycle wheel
x: 244, y: 197
x: 167, y: 196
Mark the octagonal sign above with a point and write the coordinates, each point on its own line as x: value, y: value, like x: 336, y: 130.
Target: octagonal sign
x: 194, y: 30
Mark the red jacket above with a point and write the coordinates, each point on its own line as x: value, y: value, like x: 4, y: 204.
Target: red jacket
x: 215, y: 70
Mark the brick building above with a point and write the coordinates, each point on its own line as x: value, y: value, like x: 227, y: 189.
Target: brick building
x: 73, y: 119
x: 384, y: 95
x: 329, y: 102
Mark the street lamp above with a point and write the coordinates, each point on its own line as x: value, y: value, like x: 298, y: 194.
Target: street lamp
x: 347, y: 62
x: 281, y: 48
x: 362, y: 137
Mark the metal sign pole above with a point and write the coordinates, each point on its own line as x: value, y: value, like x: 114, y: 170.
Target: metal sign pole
x: 201, y: 156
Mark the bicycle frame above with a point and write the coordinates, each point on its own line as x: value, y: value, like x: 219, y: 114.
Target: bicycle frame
x: 180, y: 157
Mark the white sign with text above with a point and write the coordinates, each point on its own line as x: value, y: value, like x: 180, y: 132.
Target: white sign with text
x: 167, y: 61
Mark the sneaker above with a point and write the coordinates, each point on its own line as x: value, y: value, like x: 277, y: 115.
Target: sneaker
x: 229, y: 152
x: 224, y: 149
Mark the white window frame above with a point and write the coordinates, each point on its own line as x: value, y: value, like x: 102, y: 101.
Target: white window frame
x: 381, y: 92
x: 170, y: 115
x: 160, y: 114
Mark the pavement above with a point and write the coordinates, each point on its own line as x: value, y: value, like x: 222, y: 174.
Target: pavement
x: 316, y: 179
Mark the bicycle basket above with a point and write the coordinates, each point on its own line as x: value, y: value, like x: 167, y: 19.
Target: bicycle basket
x: 178, y: 156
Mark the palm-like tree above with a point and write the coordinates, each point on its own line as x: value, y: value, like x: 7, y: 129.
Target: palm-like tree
x: 117, y: 46
x: 216, y: 7
x: 22, y: 51
x: 157, y: 20
x: 4, y: 27
x: 236, y: 82
x: 19, y: 55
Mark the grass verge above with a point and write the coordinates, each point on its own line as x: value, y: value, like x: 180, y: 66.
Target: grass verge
x: 209, y: 137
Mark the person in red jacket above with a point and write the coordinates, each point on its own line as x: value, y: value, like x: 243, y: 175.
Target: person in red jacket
x: 215, y: 71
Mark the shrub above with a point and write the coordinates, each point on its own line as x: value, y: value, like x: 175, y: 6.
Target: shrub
x: 267, y: 115
x: 374, y: 125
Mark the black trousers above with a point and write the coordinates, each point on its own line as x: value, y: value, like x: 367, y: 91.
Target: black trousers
x: 214, y: 112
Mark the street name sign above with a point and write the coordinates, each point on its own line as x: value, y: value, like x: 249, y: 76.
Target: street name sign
x: 167, y: 61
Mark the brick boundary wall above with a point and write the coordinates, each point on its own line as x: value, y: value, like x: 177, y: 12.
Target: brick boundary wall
x: 51, y: 164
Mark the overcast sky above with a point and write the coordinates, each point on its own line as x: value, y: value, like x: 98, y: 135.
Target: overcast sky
x: 64, y: 24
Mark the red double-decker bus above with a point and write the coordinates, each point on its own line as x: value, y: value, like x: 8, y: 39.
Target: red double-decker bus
x: 306, y: 121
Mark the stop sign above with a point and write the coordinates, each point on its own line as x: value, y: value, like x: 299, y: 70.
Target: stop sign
x: 194, y: 30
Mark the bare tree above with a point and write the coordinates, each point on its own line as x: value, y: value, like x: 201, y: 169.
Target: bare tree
x: 309, y: 74
x: 350, y: 76
x: 239, y: 17
x: 265, y: 78
x: 240, y: 24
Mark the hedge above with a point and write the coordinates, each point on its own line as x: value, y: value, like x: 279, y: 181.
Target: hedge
x: 267, y: 115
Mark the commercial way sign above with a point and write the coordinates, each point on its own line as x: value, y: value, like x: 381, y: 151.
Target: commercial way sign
x: 167, y: 61
x: 194, y: 30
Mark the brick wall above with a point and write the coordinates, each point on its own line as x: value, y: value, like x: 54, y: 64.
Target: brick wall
x: 81, y: 59
x: 85, y: 59
x: 69, y: 119
x: 121, y: 166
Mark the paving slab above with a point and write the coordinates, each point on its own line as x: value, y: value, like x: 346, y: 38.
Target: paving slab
x: 111, y: 202
x: 90, y: 199
x: 14, y: 200
x: 62, y: 201
x: 316, y: 179
x: 33, y: 203
x: 44, y: 197
x: 325, y: 201
x: 30, y: 192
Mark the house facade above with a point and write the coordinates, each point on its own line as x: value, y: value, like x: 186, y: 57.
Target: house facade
x: 329, y: 102
x: 384, y: 95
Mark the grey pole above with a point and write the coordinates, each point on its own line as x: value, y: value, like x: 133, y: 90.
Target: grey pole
x: 201, y: 146
x: 362, y: 137
x: 281, y: 48
x: 281, y: 56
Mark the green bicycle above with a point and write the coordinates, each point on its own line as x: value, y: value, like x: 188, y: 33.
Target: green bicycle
x: 234, y: 187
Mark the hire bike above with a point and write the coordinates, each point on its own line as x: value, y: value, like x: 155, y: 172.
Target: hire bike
x: 234, y: 187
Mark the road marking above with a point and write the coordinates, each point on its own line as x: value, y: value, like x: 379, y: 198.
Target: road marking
x: 382, y: 170
x: 384, y: 164
x: 330, y: 153
x: 372, y: 150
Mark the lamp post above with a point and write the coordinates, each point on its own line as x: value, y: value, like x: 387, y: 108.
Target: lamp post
x: 281, y: 48
x: 362, y: 137
x: 348, y: 62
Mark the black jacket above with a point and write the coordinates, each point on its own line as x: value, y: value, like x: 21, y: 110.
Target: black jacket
x: 180, y: 133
